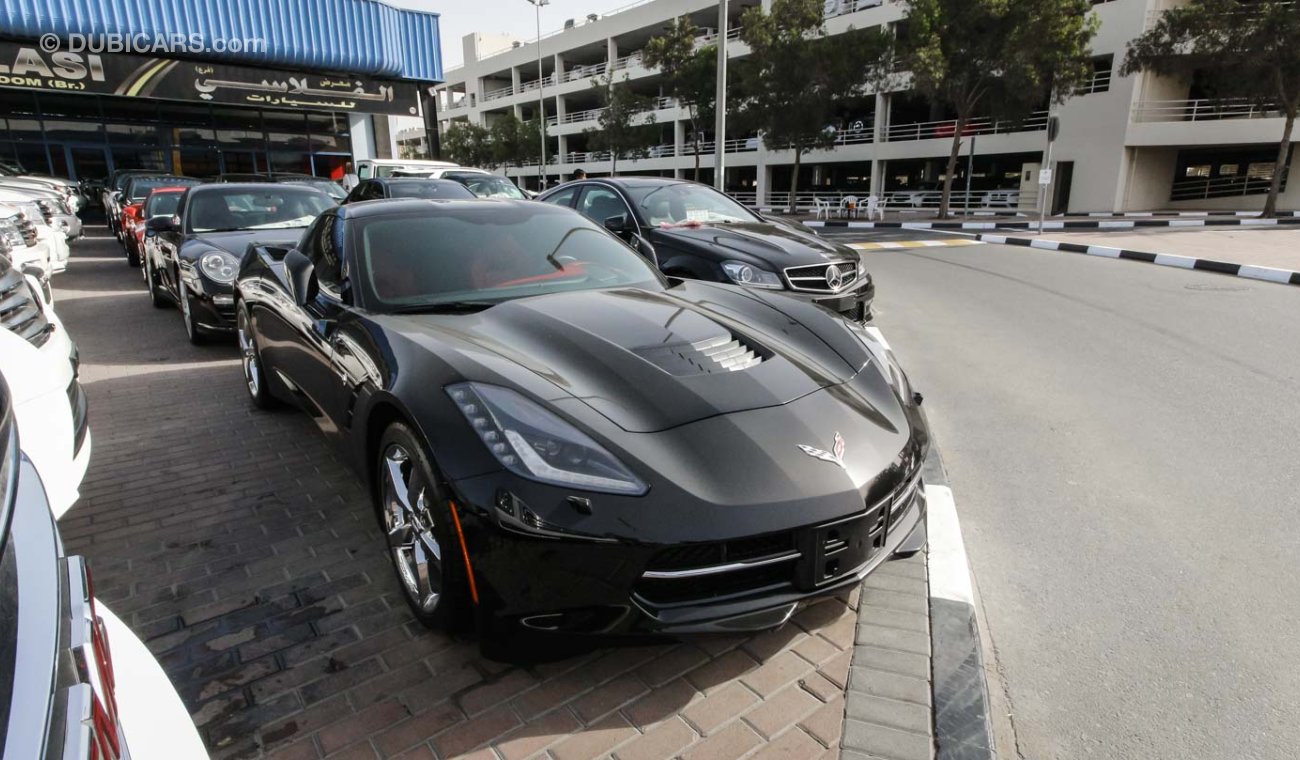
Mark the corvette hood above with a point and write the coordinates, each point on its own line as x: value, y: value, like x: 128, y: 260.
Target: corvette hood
x: 235, y: 243
x: 768, y: 241
x: 649, y: 361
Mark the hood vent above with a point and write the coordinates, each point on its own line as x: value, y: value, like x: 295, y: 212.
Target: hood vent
x: 724, y: 353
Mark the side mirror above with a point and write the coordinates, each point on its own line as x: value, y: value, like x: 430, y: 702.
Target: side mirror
x: 159, y: 224
x: 300, y: 277
x: 646, y: 250
x: 619, y: 226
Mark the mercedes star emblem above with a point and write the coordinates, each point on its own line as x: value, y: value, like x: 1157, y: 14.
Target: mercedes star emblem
x: 834, y: 456
x: 834, y: 277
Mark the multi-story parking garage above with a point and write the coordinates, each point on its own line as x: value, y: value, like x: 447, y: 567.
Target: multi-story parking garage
x: 1126, y: 143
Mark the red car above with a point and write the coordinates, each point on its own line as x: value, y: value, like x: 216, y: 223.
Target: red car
x: 131, y: 224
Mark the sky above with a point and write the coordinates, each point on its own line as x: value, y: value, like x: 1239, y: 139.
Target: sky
x: 514, y: 17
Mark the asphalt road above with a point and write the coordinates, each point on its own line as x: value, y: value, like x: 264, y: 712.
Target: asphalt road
x: 1122, y: 442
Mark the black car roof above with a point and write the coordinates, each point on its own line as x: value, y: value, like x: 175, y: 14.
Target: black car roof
x: 364, y: 209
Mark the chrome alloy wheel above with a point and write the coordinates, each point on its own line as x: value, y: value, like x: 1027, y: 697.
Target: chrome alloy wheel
x: 249, y: 350
x: 408, y: 521
x: 185, y: 310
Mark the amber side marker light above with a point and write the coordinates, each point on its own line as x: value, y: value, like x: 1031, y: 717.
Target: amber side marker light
x: 464, y: 552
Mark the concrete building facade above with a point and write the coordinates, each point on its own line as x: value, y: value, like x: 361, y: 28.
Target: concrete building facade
x: 1136, y: 143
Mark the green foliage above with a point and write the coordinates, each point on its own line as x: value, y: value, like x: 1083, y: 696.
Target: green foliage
x: 790, y: 85
x: 624, y: 128
x: 1249, y: 50
x: 515, y: 142
x: 689, y: 75
x: 998, y: 58
x: 468, y: 144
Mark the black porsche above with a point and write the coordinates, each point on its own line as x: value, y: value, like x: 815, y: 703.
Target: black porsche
x: 559, y: 437
x: 702, y: 233
x: 193, y: 256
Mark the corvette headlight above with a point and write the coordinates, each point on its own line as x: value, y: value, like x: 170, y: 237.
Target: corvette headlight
x: 751, y: 276
x: 875, y: 342
x: 219, y: 267
x: 536, y: 444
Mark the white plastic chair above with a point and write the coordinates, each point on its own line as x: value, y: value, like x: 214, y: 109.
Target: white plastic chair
x: 874, y: 209
x: 848, y: 204
x: 823, y: 207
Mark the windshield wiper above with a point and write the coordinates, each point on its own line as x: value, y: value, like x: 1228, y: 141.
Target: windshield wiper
x: 446, y: 307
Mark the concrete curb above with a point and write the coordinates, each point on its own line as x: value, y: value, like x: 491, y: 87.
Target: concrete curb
x: 1249, y: 271
x: 1071, y: 224
x: 963, y: 724
x: 1148, y: 214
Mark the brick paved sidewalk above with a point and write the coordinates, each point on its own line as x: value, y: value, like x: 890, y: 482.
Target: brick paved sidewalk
x: 247, y: 556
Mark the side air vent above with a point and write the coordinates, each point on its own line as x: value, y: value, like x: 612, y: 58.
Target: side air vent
x: 724, y: 353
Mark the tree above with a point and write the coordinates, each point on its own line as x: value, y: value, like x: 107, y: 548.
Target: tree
x: 1002, y: 58
x: 795, y: 76
x: 468, y: 144
x: 625, y: 126
x: 690, y: 75
x: 515, y: 142
x: 1254, y: 46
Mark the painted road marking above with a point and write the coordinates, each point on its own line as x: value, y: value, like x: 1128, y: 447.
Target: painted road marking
x: 896, y: 244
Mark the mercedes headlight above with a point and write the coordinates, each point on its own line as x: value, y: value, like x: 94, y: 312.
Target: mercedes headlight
x: 219, y: 267
x: 10, y: 236
x: 751, y: 276
x: 536, y: 444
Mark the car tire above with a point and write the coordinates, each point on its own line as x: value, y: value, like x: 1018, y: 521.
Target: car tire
x: 132, y: 254
x: 255, y: 378
x: 416, y: 520
x: 192, y: 330
x: 156, y: 297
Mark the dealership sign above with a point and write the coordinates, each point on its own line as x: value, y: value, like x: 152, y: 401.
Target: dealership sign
x: 136, y: 76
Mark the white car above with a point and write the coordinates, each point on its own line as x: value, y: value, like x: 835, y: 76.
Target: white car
x: 79, y: 685
x: 56, y: 250
x: 372, y: 168
x: 39, y: 361
x: 24, y: 245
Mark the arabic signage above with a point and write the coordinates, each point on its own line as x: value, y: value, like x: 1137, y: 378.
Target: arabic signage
x: 28, y: 67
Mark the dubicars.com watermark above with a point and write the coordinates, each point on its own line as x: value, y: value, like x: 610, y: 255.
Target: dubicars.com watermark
x: 113, y: 42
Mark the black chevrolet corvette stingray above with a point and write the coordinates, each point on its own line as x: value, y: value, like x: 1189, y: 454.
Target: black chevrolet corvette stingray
x: 558, y: 437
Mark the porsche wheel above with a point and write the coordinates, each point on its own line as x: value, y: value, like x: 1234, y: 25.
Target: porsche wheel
x: 254, y: 373
x: 416, y: 520
x: 187, y: 314
x: 151, y: 282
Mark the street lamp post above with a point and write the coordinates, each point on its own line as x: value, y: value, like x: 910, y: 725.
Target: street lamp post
x: 541, y: 98
x: 720, y: 125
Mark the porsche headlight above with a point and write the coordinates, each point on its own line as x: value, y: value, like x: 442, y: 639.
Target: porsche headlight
x: 536, y: 444
x: 219, y: 267
x: 751, y: 276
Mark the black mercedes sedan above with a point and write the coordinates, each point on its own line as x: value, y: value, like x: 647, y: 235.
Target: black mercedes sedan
x: 407, y: 187
x: 559, y: 437
x: 194, y: 255
x: 704, y: 234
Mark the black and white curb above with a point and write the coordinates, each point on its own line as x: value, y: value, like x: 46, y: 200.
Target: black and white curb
x: 962, y: 720
x: 1250, y: 271
x: 1149, y: 214
x: 1069, y: 224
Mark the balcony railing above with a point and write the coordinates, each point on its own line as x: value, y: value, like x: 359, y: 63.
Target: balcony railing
x: 835, y: 8
x: 1203, y: 109
x: 1204, y: 188
x: 928, y: 130
x: 589, y: 71
x: 503, y: 92
x: 626, y: 62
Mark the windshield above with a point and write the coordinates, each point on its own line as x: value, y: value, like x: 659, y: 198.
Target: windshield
x: 161, y: 204
x: 427, y: 188
x: 489, y: 186
x: 387, y: 171
x: 141, y: 188
x: 487, y: 254
x: 686, y: 204
x: 272, y: 209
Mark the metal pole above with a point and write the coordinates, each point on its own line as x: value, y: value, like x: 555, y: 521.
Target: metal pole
x: 970, y: 169
x: 541, y: 100
x: 1042, y: 188
x: 720, y: 125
